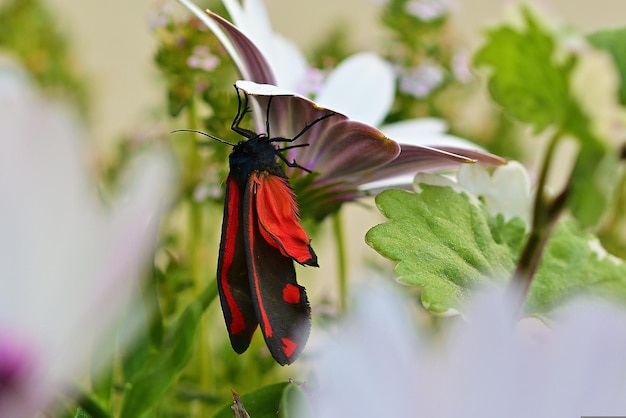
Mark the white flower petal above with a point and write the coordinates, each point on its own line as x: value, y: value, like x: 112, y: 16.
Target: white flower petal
x: 408, y: 129
x: 68, y: 264
x: 506, y: 191
x: 486, y: 367
x: 425, y: 132
x: 361, y: 87
x: 289, y: 64
x: 474, y: 178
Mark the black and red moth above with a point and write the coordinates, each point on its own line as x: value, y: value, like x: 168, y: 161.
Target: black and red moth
x: 261, y: 238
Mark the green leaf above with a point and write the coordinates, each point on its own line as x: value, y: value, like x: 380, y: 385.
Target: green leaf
x: 589, y: 192
x: 526, y: 78
x: 136, y: 356
x: 534, y: 86
x: 573, y: 264
x: 448, y: 244
x: 262, y: 403
x: 295, y: 403
x: 442, y: 242
x: 146, y: 387
x: 80, y: 413
x: 613, y: 42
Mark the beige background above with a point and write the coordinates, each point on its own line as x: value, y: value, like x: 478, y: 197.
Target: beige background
x: 115, y: 47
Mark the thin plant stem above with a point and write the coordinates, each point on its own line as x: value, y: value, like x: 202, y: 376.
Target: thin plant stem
x: 195, y: 213
x: 195, y: 244
x: 342, y: 274
x: 545, y: 214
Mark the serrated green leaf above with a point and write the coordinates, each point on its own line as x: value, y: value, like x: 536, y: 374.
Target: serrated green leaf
x: 613, y: 42
x: 511, y: 233
x: 442, y: 242
x: 533, y: 86
x: 526, y: 79
x: 262, y: 403
x: 572, y: 265
x: 448, y: 244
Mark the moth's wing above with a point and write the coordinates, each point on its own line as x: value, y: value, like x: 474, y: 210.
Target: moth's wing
x: 279, y: 221
x: 233, y: 281
x: 281, y: 304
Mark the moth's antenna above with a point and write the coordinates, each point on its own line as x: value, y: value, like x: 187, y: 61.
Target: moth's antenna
x: 205, y: 134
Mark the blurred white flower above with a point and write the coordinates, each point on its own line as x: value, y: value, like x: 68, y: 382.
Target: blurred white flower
x: 68, y: 265
x: 506, y: 190
x: 202, y: 59
x: 379, y: 366
x: 420, y: 81
x: 362, y: 86
x: 427, y: 10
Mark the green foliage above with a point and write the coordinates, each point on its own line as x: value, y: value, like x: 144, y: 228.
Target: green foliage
x: 80, y: 413
x: 612, y: 41
x: 146, y: 387
x: 30, y: 32
x: 531, y: 78
x: 416, y: 41
x: 575, y: 264
x: 294, y: 403
x: 193, y: 63
x: 412, y: 31
x: 526, y: 79
x: 263, y: 402
x: 447, y: 243
x: 442, y: 242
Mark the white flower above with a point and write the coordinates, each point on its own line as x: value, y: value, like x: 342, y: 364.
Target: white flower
x: 361, y: 87
x: 422, y: 80
x: 378, y: 365
x: 67, y: 264
x: 505, y: 191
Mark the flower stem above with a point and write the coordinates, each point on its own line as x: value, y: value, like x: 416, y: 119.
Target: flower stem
x: 341, y: 261
x: 546, y: 212
x: 195, y: 245
x: 195, y: 213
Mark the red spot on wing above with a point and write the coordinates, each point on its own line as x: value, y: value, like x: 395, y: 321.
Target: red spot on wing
x: 280, y: 304
x: 289, y: 346
x: 237, y: 323
x: 278, y: 218
x: 291, y: 294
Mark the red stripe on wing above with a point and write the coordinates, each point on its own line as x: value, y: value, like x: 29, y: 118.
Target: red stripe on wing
x: 281, y: 304
x: 232, y: 273
x: 279, y: 221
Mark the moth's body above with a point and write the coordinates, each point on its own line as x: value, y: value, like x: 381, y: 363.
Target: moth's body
x: 261, y: 239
